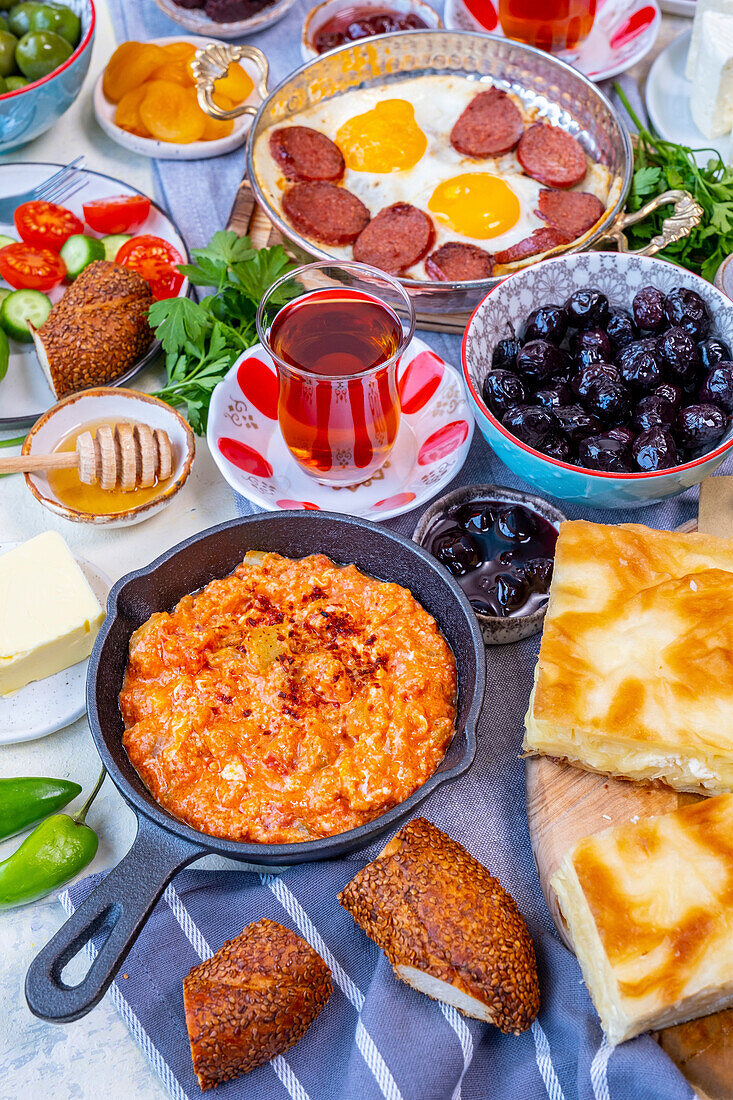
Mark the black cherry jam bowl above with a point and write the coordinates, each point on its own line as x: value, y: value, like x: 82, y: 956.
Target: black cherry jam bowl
x: 499, y: 545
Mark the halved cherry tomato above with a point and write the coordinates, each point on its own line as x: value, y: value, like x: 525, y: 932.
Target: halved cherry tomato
x: 118, y: 214
x: 156, y: 260
x: 46, y: 225
x: 27, y: 268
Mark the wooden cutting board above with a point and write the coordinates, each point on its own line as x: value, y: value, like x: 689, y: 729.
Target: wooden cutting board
x: 249, y: 219
x: 565, y: 804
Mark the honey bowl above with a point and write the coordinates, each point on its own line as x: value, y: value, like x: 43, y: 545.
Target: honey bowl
x: 62, y: 492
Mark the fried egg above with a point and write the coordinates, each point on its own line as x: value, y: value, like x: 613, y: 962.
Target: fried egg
x: 395, y: 140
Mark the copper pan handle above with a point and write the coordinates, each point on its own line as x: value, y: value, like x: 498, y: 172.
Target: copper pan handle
x: 212, y: 63
x: 686, y: 216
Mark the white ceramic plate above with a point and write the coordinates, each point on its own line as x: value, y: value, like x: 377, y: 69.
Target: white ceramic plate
x: 48, y: 705
x: 623, y: 32
x: 432, y: 442
x: 24, y: 392
x: 679, y: 7
x: 668, y: 102
x: 199, y: 23
x: 104, y: 111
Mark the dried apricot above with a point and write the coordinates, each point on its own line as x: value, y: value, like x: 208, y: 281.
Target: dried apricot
x: 181, y: 51
x: 171, y: 112
x: 129, y: 66
x: 236, y: 85
x: 177, y: 71
x: 127, y: 115
x: 218, y: 128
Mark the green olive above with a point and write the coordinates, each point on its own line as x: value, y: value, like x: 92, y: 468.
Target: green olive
x: 20, y: 17
x: 15, y: 83
x: 3, y: 86
x: 8, y: 43
x: 40, y: 52
x: 56, y: 18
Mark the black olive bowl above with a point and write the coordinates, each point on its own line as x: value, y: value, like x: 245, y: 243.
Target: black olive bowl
x: 494, y: 629
x: 122, y: 902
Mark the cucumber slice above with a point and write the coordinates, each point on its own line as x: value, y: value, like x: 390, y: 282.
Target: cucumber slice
x: 4, y: 354
x: 113, y: 244
x: 4, y: 292
x: 4, y: 239
x: 80, y: 251
x: 20, y: 307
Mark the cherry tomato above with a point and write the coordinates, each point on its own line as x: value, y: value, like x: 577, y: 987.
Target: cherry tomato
x: 27, y: 268
x: 118, y: 214
x: 156, y: 260
x: 46, y: 225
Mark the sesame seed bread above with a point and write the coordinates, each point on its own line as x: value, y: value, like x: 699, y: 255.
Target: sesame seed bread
x: 447, y: 927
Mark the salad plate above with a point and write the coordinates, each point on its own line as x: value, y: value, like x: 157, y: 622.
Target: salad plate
x: 432, y: 443
x: 45, y: 706
x: 624, y: 31
x: 24, y: 391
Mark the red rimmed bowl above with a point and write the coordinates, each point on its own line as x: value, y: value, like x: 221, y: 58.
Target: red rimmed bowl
x: 618, y: 275
x: 30, y: 111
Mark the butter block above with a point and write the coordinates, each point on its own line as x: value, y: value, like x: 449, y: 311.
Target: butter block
x: 702, y: 7
x: 711, y: 99
x: 49, y: 616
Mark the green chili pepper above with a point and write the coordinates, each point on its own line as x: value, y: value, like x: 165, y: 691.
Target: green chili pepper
x: 25, y: 801
x: 54, y: 853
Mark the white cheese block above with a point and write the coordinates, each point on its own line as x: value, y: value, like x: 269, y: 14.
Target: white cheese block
x: 701, y: 8
x: 49, y: 616
x: 711, y: 99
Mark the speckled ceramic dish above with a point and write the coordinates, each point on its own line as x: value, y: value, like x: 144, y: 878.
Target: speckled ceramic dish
x: 495, y: 630
x: 321, y: 14
x: 618, y: 275
x: 118, y: 405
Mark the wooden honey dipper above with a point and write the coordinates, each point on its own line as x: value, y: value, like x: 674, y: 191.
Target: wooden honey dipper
x: 128, y: 456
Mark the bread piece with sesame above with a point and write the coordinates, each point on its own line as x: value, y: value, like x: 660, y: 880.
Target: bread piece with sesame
x: 448, y: 927
x: 97, y: 331
x: 252, y: 1000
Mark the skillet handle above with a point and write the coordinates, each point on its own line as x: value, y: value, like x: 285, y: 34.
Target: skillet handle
x: 120, y: 905
x: 687, y: 214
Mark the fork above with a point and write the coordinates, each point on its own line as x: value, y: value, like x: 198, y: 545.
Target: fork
x: 57, y: 188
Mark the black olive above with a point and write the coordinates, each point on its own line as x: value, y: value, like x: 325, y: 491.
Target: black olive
x: 605, y: 452
x: 538, y: 361
x: 607, y: 400
x: 653, y: 411
x: 531, y: 424
x: 700, y: 425
x: 648, y: 308
x: 587, y: 309
x: 639, y: 364
x: 621, y: 329
x: 586, y: 378
x: 456, y: 550
x: 558, y: 394
x: 713, y: 351
x: 718, y: 386
x: 558, y: 447
x: 687, y: 309
x: 588, y: 357
x: 679, y: 352
x: 501, y: 390
x: 670, y: 393
x: 655, y: 449
x: 622, y: 434
x: 505, y: 354
x: 576, y: 423
x: 546, y: 323
x: 592, y: 338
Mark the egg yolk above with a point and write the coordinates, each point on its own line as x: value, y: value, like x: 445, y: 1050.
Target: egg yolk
x: 385, y: 139
x: 476, y: 204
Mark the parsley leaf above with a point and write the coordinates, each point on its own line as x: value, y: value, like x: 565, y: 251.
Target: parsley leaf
x: 202, y: 340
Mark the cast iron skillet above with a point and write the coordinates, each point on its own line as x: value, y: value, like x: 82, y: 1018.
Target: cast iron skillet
x: 122, y: 902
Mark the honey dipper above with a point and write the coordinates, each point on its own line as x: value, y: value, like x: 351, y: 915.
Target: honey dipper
x: 128, y: 456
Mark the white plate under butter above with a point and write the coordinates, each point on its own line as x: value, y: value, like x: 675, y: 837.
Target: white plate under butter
x: 668, y: 102
x: 45, y: 706
x: 104, y: 112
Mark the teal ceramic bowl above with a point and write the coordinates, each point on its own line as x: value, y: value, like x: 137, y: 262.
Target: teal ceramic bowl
x: 618, y: 275
x: 31, y: 110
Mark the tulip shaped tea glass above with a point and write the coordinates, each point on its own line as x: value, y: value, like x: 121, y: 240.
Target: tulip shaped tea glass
x: 336, y: 332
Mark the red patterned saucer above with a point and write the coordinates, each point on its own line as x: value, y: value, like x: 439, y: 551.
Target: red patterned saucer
x: 624, y: 31
x: 435, y: 433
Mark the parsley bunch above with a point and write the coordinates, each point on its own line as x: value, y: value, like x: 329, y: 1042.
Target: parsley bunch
x: 202, y: 340
x: 663, y: 165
